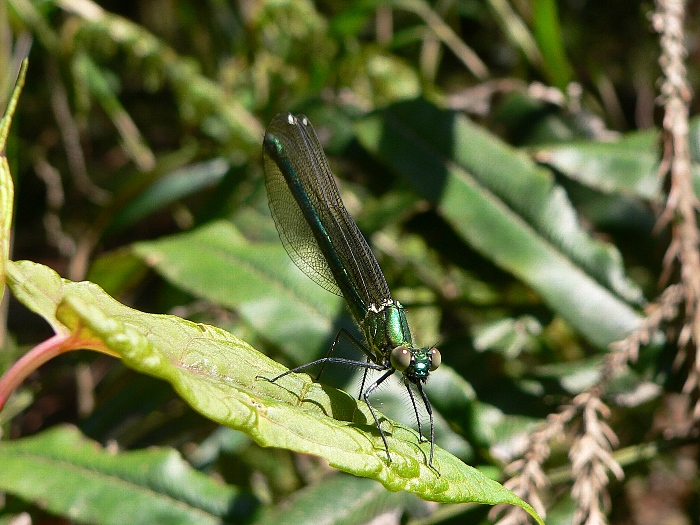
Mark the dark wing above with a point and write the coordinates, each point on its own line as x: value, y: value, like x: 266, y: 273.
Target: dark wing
x: 314, y: 225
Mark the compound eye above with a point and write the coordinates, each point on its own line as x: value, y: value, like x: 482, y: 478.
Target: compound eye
x: 435, y: 359
x: 400, y: 358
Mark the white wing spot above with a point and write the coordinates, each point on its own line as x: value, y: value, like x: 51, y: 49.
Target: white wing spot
x: 291, y: 119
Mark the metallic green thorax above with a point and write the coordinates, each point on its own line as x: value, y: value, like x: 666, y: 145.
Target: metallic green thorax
x: 385, y: 327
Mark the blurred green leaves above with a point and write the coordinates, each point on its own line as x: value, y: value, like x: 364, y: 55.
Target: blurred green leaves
x: 510, y: 260
x: 500, y: 202
x: 69, y: 475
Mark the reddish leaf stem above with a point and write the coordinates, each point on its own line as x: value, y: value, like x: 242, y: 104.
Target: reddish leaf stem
x: 32, y: 360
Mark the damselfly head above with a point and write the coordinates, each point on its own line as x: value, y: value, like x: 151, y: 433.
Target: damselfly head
x: 415, y: 363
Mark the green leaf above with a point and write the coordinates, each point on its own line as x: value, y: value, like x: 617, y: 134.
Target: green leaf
x: 550, y: 41
x: 258, y: 280
x: 169, y: 188
x: 219, y: 376
x: 335, y: 500
x: 117, y: 271
x: 508, y: 209
x: 626, y: 166
x: 629, y: 165
x: 66, y: 474
x: 7, y: 188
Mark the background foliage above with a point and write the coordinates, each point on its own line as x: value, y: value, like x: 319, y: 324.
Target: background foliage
x: 500, y: 157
